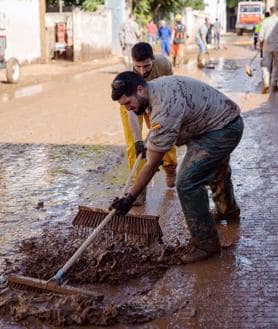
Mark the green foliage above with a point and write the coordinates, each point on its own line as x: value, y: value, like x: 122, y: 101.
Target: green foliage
x: 91, y: 5
x: 232, y: 3
x: 142, y: 11
x: 195, y: 4
x: 157, y: 9
x: 87, y: 5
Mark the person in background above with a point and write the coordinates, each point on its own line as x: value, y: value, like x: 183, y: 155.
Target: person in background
x: 268, y: 37
x: 201, y: 42
x: 179, y: 35
x: 129, y: 34
x: 217, y: 33
x: 150, y: 67
x: 257, y: 31
x: 151, y: 32
x: 164, y: 35
x: 210, y: 34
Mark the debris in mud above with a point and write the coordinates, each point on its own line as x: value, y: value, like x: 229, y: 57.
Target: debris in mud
x: 105, y: 264
x: 40, y: 205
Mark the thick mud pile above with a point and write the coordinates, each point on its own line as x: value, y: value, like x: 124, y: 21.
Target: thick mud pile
x: 104, y: 266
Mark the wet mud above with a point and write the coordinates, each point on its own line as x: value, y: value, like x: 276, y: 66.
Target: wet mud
x: 42, y: 185
x: 106, y: 264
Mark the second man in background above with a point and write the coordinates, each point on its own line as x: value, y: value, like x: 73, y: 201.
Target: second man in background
x: 149, y: 67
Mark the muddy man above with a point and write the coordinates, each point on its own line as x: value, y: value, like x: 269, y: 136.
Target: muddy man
x: 186, y: 111
x: 150, y: 67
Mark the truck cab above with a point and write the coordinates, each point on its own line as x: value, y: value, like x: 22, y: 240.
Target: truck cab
x: 249, y: 14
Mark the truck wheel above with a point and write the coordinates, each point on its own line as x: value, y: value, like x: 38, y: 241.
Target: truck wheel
x: 12, y: 70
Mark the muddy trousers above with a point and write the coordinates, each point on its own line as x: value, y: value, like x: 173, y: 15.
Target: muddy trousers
x: 207, y: 163
x: 269, y: 66
x: 178, y: 54
x: 169, y: 161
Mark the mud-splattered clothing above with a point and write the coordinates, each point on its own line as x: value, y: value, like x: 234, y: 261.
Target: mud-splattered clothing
x: 207, y: 163
x: 161, y: 67
x: 181, y: 107
x: 186, y: 111
x: 269, y: 36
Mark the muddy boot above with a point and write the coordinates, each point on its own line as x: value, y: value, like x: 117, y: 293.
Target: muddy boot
x: 170, y: 172
x: 233, y: 215
x: 198, y: 250
x: 140, y: 199
x: 200, y: 62
x: 265, y: 89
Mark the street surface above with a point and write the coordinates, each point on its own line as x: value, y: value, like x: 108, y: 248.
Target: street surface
x: 62, y: 144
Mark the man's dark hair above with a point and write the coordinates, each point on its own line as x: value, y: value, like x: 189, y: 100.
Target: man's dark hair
x: 142, y: 51
x: 126, y: 83
x: 267, y: 14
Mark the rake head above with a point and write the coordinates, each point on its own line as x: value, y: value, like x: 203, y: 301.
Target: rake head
x: 139, y: 228
x: 248, y: 70
x: 41, y: 286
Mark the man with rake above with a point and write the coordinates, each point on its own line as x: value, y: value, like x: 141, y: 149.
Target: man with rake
x: 186, y: 111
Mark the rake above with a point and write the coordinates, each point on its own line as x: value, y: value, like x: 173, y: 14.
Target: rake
x: 148, y: 229
x: 143, y: 229
x: 248, y: 69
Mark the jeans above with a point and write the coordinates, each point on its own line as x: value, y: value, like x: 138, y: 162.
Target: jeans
x: 206, y: 162
x: 201, y: 45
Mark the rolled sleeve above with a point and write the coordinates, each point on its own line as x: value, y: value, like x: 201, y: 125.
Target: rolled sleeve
x: 162, y: 139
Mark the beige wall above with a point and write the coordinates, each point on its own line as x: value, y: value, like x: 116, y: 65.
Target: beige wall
x: 20, y: 22
x: 91, y: 33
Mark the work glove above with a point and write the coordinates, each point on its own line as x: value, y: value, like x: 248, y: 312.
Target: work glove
x: 140, y: 148
x: 122, y: 205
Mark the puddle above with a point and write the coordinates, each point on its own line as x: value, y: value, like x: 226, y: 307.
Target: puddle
x: 28, y: 91
x: 58, y: 177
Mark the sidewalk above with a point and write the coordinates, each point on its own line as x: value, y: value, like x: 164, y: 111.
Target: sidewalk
x: 38, y: 73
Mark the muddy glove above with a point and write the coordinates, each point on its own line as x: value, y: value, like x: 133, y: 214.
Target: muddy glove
x: 140, y: 148
x: 122, y: 205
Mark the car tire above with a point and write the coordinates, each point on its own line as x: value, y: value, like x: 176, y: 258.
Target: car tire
x: 12, y: 70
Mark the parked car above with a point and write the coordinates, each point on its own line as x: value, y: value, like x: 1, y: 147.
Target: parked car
x: 11, y: 65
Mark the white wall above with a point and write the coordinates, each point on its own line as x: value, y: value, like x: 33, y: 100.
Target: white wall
x: 117, y: 8
x: 92, y: 34
x: 22, y: 28
x: 193, y: 20
x: 217, y: 9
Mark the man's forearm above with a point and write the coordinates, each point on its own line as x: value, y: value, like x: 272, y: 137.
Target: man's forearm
x: 146, y: 173
x: 135, y: 126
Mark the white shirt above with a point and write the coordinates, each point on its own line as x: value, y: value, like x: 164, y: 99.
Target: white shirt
x: 269, y: 33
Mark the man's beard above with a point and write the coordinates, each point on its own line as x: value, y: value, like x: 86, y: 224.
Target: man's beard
x: 146, y: 74
x: 143, y: 104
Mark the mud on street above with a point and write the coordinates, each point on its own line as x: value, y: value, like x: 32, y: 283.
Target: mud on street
x: 62, y: 146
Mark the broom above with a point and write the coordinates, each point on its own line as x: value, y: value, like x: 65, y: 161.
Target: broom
x: 248, y: 69
x: 149, y: 227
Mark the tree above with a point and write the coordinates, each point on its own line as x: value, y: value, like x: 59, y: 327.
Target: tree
x: 91, y: 5
x: 232, y: 3
x: 144, y: 9
x: 88, y: 5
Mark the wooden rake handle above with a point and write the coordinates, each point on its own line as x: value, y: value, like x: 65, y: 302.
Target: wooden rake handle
x: 252, y: 60
x: 58, y: 277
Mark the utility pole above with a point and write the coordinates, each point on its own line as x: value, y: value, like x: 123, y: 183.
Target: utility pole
x: 61, y: 4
